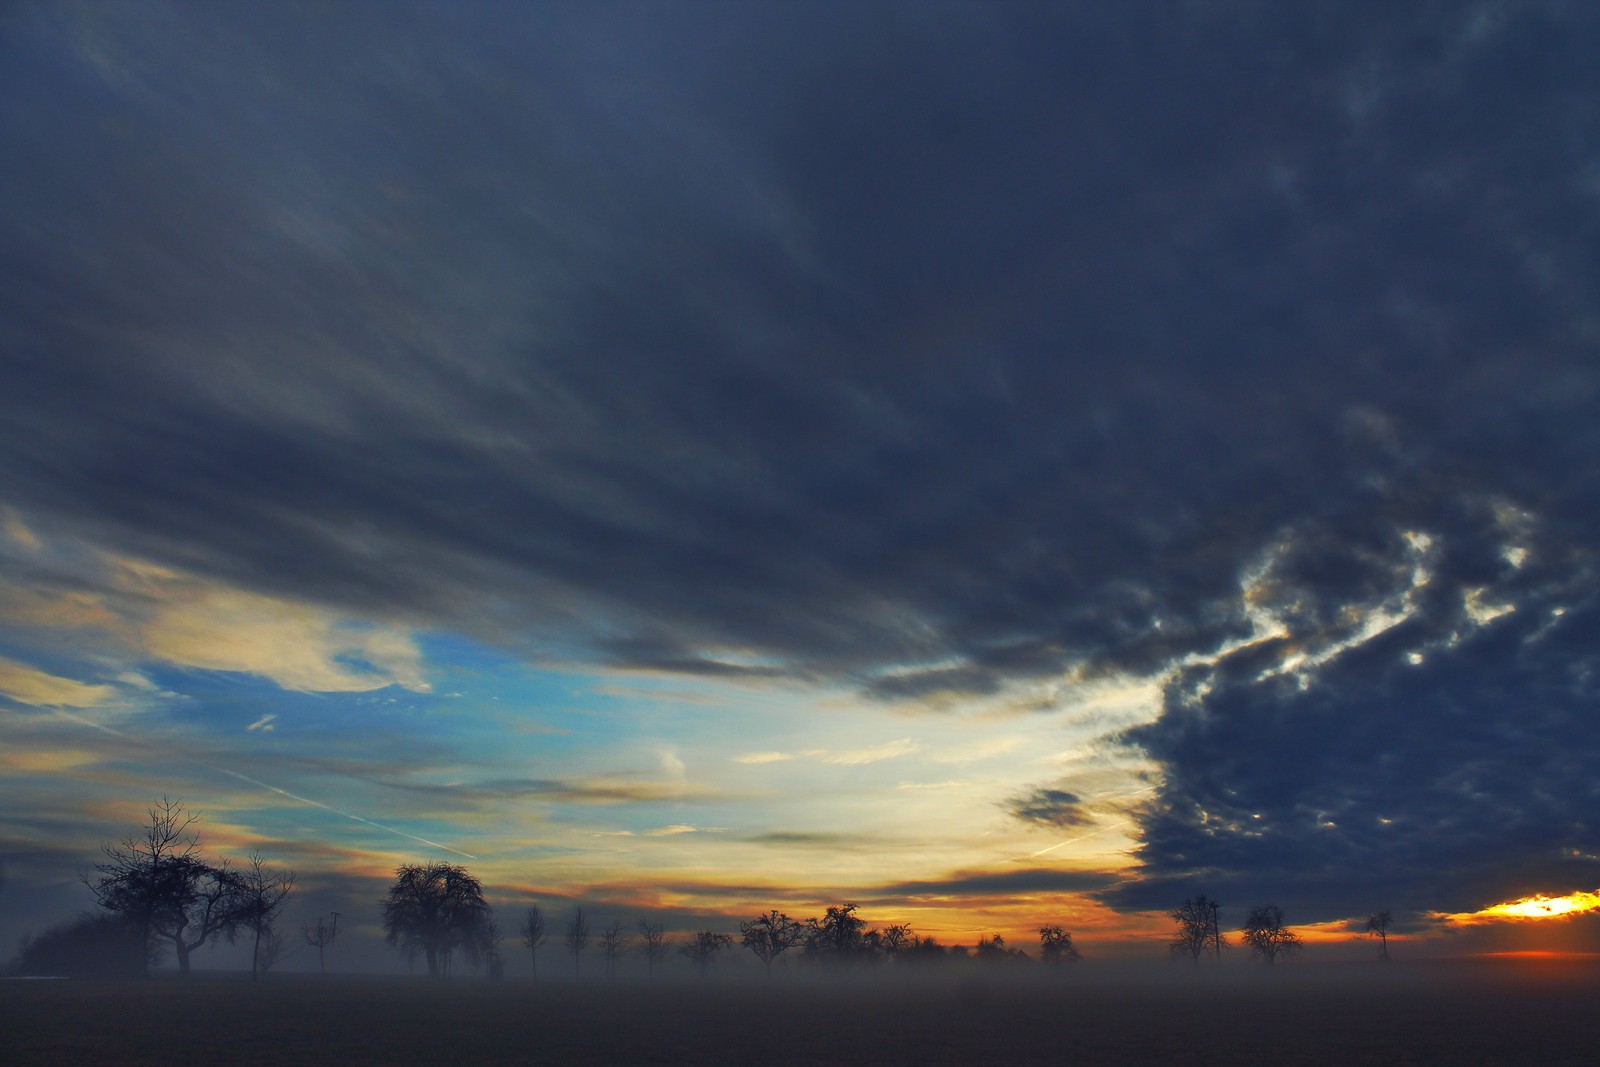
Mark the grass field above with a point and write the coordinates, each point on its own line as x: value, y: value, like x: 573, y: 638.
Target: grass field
x: 1480, y: 1015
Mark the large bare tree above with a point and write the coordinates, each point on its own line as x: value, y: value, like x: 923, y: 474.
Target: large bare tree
x: 437, y: 909
x: 1055, y: 945
x: 1268, y: 936
x: 771, y: 935
x: 159, y: 882
x: 1198, y: 929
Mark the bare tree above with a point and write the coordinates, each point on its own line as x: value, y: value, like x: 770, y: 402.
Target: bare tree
x: 770, y: 936
x: 321, y: 936
x: 1055, y: 946
x: 1198, y: 929
x: 654, y: 943
x: 840, y: 937
x: 263, y: 893
x: 577, y: 941
x: 703, y: 949
x: 1264, y: 931
x: 437, y: 909
x: 1378, y: 926
x: 612, y: 943
x: 532, y: 930
x: 896, y: 938
x: 160, y: 883
x: 271, y: 950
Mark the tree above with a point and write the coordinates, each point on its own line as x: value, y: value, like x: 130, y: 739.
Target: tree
x: 654, y: 945
x: 1198, y: 930
x: 1055, y: 946
x: 1264, y: 931
x: 1378, y: 926
x: 262, y: 896
x: 320, y: 937
x: 840, y: 937
x: 703, y: 949
x: 577, y: 941
x: 896, y: 938
x: 532, y: 930
x: 91, y: 946
x: 437, y: 909
x: 160, y: 883
x: 612, y: 942
x: 770, y: 936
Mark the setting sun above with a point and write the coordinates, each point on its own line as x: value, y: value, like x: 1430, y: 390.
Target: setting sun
x: 1538, y: 906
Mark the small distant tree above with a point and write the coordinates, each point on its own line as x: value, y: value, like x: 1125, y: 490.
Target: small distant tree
x: 770, y: 936
x: 492, y: 939
x: 320, y: 936
x: 262, y: 895
x: 1264, y: 931
x: 703, y: 947
x: 435, y: 910
x: 577, y: 941
x: 1198, y: 930
x: 1378, y: 926
x: 654, y: 943
x: 1055, y: 946
x: 532, y: 931
x: 159, y: 882
x: 612, y: 942
x: 896, y: 939
x: 271, y: 950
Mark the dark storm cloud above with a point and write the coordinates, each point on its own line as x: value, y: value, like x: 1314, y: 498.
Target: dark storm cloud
x: 999, y: 883
x: 1049, y: 807
x: 927, y: 348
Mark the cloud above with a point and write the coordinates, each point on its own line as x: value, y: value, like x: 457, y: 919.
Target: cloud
x: 1049, y: 807
x: 763, y: 757
x: 999, y: 883
x: 26, y: 685
x: 263, y: 724
x: 875, y: 754
x: 1248, y: 351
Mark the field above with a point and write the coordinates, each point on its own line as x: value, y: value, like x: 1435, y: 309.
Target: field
x: 1499, y: 1014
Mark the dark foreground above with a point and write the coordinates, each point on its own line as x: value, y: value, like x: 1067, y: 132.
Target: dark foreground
x: 1478, y: 1015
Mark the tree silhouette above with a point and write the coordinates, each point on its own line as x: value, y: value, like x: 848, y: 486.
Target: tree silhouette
x: 1055, y: 946
x: 612, y: 942
x: 161, y: 885
x: 532, y: 930
x: 770, y: 936
x: 262, y: 895
x: 1198, y: 930
x: 654, y: 943
x: 1264, y: 931
x: 320, y: 937
x: 577, y: 941
x: 703, y: 947
x: 93, y: 945
x: 840, y: 937
x: 436, y: 909
x: 1378, y: 926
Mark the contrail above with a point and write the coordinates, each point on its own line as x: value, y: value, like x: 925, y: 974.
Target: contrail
x: 1080, y: 837
x: 81, y: 721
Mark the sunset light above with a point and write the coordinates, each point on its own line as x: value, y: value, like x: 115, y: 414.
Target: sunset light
x: 1538, y: 906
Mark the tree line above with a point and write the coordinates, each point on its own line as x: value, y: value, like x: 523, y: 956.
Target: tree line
x: 158, y: 892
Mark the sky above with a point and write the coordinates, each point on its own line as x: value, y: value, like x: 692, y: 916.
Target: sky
x: 997, y: 464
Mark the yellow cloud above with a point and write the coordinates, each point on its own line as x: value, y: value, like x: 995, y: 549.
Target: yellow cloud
x: 26, y: 685
x: 889, y: 750
x: 1538, y: 906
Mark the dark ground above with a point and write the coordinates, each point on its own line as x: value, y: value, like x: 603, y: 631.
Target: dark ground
x: 1500, y: 1014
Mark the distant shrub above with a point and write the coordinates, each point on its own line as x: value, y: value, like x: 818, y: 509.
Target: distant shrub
x: 102, y: 946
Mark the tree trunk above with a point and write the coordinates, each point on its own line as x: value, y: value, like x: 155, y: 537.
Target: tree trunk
x: 255, y: 956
